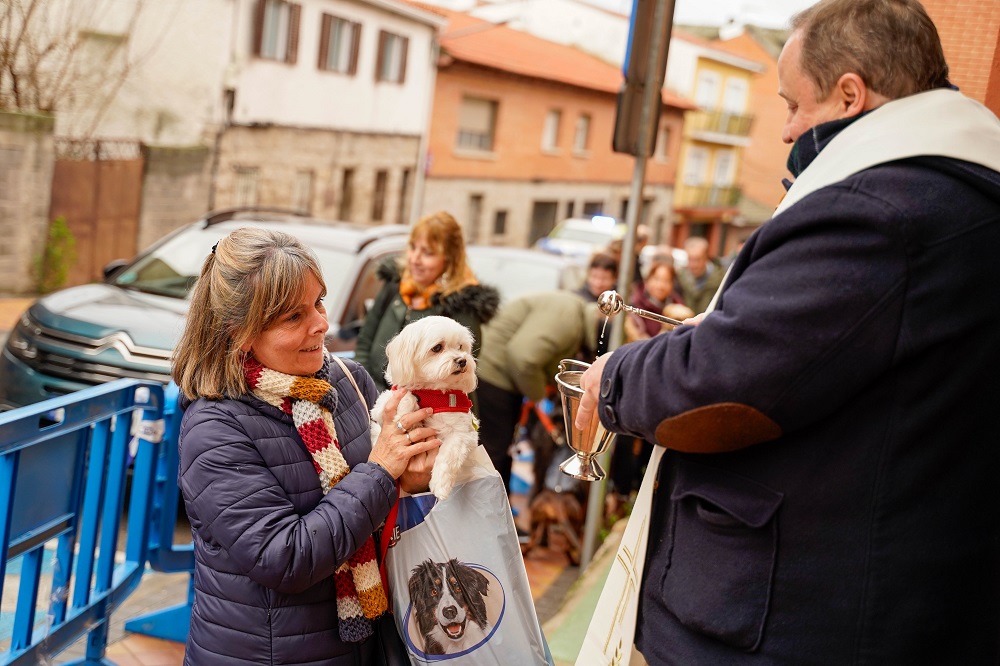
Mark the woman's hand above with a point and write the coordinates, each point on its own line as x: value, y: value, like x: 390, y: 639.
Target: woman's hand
x: 417, y: 477
x: 403, y: 438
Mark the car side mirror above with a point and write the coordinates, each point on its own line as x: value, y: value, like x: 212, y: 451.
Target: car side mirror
x: 114, y: 266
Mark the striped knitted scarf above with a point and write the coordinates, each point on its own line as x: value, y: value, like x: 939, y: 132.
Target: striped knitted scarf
x: 310, y: 401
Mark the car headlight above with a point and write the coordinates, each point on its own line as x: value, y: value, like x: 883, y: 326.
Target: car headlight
x: 21, y: 341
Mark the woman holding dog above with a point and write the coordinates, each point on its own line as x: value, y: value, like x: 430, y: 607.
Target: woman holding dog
x: 281, y: 482
x: 434, y: 280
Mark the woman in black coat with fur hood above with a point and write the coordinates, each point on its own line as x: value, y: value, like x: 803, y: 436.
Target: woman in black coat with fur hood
x: 434, y: 280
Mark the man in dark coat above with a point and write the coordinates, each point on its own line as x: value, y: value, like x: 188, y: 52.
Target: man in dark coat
x: 829, y: 492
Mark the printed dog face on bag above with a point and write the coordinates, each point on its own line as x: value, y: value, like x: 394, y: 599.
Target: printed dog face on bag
x: 454, y: 607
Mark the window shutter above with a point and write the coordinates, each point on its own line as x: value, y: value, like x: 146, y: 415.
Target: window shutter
x: 258, y: 26
x: 292, y: 55
x: 380, y: 56
x: 324, y: 41
x: 352, y: 68
x: 405, y: 47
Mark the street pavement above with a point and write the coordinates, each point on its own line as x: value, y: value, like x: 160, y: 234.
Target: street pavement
x: 564, y: 596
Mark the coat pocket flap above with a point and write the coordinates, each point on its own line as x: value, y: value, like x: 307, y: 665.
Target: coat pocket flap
x: 746, y: 501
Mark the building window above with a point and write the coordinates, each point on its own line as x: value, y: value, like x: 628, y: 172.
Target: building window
x: 662, y: 152
x: 477, y: 123
x: 378, y: 197
x: 276, y: 30
x: 550, y: 132
x: 581, y: 138
x: 592, y: 208
x: 500, y: 223
x: 706, y: 93
x: 734, y: 95
x: 246, y: 186
x: 725, y: 168
x: 391, y: 64
x: 338, y: 45
x: 346, y: 194
x: 303, y: 191
x: 695, y: 166
x: 570, y: 208
x: 404, y: 191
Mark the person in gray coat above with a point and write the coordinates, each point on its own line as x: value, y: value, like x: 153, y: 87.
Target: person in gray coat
x: 281, y: 483
x: 522, y: 348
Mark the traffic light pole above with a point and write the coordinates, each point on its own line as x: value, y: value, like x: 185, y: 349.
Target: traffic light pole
x: 659, y: 43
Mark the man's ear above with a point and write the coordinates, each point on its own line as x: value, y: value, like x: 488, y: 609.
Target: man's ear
x: 853, y: 96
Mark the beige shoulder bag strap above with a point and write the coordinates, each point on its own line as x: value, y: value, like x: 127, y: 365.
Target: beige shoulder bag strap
x: 343, y: 366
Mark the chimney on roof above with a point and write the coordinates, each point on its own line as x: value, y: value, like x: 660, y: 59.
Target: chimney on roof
x: 731, y: 29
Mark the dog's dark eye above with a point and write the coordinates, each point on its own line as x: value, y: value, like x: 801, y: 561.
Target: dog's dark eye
x: 434, y: 593
x: 437, y: 349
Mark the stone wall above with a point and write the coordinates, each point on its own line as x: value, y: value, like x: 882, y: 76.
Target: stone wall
x: 278, y: 158
x: 27, y: 155
x: 175, y: 190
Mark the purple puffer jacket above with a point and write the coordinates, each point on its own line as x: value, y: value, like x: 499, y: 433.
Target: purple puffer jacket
x: 266, y: 540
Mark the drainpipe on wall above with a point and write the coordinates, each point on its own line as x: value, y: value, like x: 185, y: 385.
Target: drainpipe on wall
x: 228, y: 104
x: 419, y: 181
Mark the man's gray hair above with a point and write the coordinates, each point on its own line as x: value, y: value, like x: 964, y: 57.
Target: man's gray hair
x: 891, y: 44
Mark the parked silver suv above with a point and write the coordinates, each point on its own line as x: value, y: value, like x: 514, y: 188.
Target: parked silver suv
x: 127, y: 325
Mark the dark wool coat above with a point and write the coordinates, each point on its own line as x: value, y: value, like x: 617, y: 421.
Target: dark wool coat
x: 830, y: 492
x: 472, y: 307
x: 266, y: 540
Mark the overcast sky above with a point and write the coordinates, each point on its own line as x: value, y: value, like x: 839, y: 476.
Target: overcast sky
x: 767, y: 13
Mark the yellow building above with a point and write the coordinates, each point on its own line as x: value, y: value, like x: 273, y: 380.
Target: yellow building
x: 707, y: 192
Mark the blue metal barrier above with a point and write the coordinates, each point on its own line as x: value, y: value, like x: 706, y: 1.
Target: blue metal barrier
x: 64, y: 469
x: 170, y: 623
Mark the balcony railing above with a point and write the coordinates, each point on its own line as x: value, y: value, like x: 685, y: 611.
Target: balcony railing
x: 703, y: 196
x: 720, y: 122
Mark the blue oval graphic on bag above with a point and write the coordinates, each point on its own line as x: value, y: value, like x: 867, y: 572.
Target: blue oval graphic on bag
x: 455, y: 608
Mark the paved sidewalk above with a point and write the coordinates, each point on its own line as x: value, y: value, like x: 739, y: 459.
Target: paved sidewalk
x: 564, y: 596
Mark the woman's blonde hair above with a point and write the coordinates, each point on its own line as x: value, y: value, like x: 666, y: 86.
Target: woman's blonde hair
x: 250, y: 279
x: 443, y: 233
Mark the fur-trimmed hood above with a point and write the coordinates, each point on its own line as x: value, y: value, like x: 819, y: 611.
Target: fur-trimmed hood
x: 481, y: 300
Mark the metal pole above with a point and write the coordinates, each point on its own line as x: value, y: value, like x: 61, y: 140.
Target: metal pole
x: 663, y: 17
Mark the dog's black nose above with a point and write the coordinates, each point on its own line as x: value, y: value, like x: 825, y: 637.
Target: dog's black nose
x: 461, y: 362
x: 450, y: 612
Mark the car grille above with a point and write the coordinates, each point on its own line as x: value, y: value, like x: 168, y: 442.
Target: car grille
x: 64, y: 355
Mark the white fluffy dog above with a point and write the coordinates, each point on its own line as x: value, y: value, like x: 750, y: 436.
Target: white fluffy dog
x: 432, y: 359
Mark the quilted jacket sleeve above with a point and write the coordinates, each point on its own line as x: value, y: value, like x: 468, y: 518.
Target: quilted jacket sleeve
x: 252, y: 522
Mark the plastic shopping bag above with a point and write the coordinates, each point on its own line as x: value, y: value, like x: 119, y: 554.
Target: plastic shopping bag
x: 459, y: 589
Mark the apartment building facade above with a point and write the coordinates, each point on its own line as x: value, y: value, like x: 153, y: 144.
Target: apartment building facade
x: 521, y: 136
x: 316, y: 105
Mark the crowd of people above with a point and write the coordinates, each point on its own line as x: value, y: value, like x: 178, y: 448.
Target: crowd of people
x: 838, y: 373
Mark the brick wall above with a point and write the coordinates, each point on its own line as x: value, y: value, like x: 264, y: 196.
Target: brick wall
x: 27, y: 155
x: 969, y: 32
x: 175, y: 190
x: 523, y: 105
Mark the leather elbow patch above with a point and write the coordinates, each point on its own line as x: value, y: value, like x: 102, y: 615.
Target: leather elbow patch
x: 726, y: 426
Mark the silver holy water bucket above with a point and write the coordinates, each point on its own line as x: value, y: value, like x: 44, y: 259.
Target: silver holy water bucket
x: 588, y: 443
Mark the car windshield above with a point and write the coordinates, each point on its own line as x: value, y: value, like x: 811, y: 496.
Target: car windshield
x: 171, y: 269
